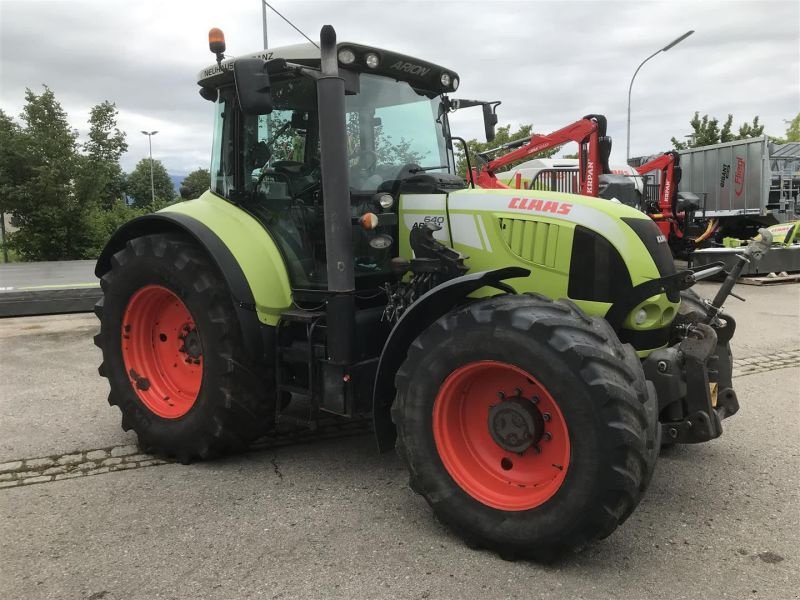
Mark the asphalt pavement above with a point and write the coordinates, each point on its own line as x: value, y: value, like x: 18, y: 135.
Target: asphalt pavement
x: 83, y: 515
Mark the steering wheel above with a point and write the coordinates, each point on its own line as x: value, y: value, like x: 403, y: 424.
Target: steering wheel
x: 366, y: 161
x: 289, y: 165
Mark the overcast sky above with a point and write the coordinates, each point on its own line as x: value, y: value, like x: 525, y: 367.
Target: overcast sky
x: 549, y: 62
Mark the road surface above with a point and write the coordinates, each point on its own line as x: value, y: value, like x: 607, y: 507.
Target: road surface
x: 83, y: 515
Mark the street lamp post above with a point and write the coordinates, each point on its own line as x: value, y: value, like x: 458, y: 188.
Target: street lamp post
x: 264, y: 21
x: 150, y: 135
x: 674, y: 42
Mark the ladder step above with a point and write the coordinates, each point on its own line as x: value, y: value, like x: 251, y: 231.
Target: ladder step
x: 297, y: 421
x: 296, y: 353
x: 303, y: 316
x: 294, y: 389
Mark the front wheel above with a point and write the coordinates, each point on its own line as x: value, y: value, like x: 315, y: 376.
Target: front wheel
x: 526, y: 425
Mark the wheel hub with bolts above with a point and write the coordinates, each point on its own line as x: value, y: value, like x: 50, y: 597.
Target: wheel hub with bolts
x: 516, y: 424
x: 499, y: 452
x: 190, y: 344
x: 162, y: 351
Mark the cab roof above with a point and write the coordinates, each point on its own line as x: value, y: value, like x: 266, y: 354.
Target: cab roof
x: 421, y: 74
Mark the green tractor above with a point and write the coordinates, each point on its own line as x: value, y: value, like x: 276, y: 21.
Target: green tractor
x: 526, y: 352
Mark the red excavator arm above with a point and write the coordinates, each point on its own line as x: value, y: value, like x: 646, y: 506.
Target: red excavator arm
x: 593, y: 150
x: 665, y: 164
x: 669, y: 220
x: 668, y: 166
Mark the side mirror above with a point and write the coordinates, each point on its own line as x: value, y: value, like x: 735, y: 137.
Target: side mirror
x: 277, y: 66
x: 252, y: 86
x: 489, y: 120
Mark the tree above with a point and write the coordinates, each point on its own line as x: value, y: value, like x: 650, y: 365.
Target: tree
x: 13, y: 169
x: 66, y: 198
x: 793, y: 129
x: 503, y: 135
x: 387, y: 150
x: 43, y: 203
x: 101, y: 180
x: 747, y: 131
x: 138, y: 185
x: 706, y: 132
x: 195, y: 183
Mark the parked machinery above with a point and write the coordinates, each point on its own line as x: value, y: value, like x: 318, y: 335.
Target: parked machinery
x: 525, y: 350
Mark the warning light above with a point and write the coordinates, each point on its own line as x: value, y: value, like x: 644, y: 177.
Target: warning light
x: 369, y: 220
x: 216, y: 41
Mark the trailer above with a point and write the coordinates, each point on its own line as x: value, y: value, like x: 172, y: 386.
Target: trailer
x: 746, y: 184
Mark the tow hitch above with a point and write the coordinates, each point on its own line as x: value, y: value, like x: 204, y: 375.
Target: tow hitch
x: 694, y: 394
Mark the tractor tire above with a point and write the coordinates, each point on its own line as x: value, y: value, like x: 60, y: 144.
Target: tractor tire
x: 475, y: 376
x: 173, y: 352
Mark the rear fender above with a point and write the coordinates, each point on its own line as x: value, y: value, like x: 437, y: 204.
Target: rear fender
x: 240, y: 247
x: 419, y: 316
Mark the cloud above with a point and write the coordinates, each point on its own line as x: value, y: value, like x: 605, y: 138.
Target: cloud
x: 549, y: 62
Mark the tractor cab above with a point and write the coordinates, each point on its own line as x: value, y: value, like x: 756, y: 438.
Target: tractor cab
x: 267, y: 158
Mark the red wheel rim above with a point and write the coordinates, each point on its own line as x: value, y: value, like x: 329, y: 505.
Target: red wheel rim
x: 161, y: 351
x: 492, y: 475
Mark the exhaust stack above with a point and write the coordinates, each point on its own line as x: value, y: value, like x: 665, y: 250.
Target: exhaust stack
x: 336, y: 197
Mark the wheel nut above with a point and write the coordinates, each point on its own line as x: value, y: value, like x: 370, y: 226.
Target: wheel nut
x: 546, y: 416
x: 547, y: 436
x: 662, y: 366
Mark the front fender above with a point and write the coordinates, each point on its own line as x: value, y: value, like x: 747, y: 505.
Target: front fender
x: 418, y: 317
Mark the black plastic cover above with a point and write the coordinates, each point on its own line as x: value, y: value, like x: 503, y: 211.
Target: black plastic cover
x: 620, y: 187
x: 655, y: 242
x: 596, y: 271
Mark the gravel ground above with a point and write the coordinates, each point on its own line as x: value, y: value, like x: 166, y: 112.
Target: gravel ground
x: 83, y: 515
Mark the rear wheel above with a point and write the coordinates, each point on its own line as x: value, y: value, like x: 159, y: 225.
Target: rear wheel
x: 173, y: 352
x: 526, y: 425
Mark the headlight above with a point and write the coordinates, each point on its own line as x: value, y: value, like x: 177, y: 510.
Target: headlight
x: 381, y: 242
x: 386, y: 201
x: 445, y: 79
x: 372, y: 60
x: 455, y: 83
x: 346, y: 57
x: 640, y: 316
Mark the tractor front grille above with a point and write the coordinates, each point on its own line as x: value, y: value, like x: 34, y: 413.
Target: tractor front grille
x: 534, y: 241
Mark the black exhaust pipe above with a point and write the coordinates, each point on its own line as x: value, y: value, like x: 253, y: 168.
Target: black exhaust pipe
x: 336, y: 197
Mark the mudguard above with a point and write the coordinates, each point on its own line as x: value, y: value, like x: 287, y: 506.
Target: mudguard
x: 241, y: 248
x: 425, y: 311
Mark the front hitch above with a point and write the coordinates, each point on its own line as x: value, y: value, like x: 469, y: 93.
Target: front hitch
x: 754, y: 251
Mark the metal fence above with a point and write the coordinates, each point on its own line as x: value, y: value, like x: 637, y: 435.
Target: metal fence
x: 556, y: 180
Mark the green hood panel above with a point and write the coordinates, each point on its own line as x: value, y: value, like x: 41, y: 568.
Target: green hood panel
x: 251, y: 246
x: 536, y: 230
x: 538, y: 227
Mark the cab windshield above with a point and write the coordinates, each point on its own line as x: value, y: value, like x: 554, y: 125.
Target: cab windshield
x: 393, y: 133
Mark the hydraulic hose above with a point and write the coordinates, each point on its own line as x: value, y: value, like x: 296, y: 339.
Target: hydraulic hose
x: 712, y: 226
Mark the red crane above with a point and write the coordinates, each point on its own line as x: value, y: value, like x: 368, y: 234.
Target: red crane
x: 670, y: 221
x: 593, y: 150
